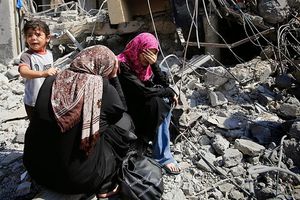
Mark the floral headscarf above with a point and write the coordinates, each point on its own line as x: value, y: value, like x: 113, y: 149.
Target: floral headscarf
x: 77, y: 93
x: 130, y: 55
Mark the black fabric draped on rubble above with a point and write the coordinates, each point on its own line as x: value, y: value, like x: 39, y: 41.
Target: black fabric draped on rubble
x: 53, y: 159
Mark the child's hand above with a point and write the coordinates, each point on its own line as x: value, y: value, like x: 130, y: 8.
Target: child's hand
x: 149, y: 56
x: 51, y: 71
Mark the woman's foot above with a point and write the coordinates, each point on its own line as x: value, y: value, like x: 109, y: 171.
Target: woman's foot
x: 172, y: 168
x: 109, y: 194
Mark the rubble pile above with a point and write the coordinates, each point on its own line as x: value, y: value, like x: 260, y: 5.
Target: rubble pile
x: 236, y: 133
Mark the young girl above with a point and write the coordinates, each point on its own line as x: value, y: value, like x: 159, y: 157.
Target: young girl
x: 36, y: 63
x: 148, y: 96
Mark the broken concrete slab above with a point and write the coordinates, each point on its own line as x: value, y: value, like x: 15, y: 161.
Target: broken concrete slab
x: 249, y: 147
x: 225, y: 122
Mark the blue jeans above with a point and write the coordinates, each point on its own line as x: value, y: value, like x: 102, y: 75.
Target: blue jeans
x: 161, y: 148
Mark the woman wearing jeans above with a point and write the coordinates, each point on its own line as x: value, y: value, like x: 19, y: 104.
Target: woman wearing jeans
x: 148, y: 96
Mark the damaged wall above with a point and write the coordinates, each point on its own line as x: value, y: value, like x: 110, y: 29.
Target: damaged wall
x: 9, y: 35
x: 121, y: 11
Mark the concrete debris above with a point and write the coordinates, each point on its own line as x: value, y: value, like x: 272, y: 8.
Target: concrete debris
x: 273, y: 11
x: 217, y: 98
x: 232, y: 157
x: 248, y: 147
x: 295, y: 130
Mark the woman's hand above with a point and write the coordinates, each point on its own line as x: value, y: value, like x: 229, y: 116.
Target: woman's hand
x: 150, y: 56
x: 115, y: 70
x: 175, y: 100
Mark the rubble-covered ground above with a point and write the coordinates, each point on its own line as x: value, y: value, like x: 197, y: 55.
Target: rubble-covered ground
x: 236, y: 130
x: 235, y: 133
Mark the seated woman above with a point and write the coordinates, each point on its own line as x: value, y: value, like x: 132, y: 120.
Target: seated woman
x: 72, y: 145
x: 148, y: 97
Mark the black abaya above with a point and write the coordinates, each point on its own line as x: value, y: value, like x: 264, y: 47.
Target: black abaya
x: 53, y: 159
x: 145, y: 100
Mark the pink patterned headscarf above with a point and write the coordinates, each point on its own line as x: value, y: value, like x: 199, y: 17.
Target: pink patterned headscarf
x: 77, y: 93
x: 130, y: 55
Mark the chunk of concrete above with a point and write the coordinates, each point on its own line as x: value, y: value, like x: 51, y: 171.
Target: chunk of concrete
x: 217, y: 98
x: 249, y: 147
x: 232, y: 157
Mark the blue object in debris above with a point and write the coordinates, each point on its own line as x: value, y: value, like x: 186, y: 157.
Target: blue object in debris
x: 19, y: 4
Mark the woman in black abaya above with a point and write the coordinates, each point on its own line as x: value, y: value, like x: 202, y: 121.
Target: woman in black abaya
x: 75, y: 144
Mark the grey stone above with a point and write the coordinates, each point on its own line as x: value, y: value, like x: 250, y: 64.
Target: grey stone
x: 175, y: 194
x: 292, y: 149
x: 273, y: 11
x: 217, y: 194
x: 232, y: 157
x: 187, y: 189
x: 226, y: 187
x: 215, y: 76
x: 248, y: 147
x: 3, y: 79
x: 204, y: 140
x: 225, y: 122
x: 296, y: 193
x: 291, y: 108
x: 220, y: 144
x: 265, y: 193
x: 12, y: 74
x: 18, y: 90
x: 202, y: 165
x: 3, y: 68
x: 236, y: 195
x: 254, y: 160
x: 20, y: 138
x: 237, y: 171
x: 295, y: 130
x: 217, y: 98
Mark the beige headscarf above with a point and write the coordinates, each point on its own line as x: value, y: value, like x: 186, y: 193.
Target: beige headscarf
x: 77, y: 93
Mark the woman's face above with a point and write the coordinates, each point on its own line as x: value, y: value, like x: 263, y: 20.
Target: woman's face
x: 147, y: 58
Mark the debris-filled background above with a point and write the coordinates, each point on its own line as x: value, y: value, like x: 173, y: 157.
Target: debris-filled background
x: 236, y: 130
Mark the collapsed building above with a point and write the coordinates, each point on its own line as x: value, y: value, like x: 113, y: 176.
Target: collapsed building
x: 236, y: 64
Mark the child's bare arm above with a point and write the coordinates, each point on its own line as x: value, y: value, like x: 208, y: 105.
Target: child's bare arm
x: 26, y: 72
